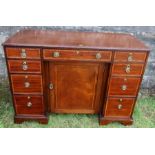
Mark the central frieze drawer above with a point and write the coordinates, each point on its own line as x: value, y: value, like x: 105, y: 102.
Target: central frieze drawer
x: 20, y: 66
x: 26, y: 83
x: 54, y: 54
x: 124, y: 86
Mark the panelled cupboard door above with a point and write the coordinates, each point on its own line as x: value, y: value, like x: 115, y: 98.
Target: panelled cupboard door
x: 76, y: 87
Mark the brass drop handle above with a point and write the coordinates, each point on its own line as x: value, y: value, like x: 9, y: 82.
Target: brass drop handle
x: 98, y: 56
x: 27, y: 84
x: 25, y: 66
x: 124, y: 87
x: 119, y: 106
x: 29, y: 104
x: 51, y: 86
x: 128, y: 69
x: 56, y: 54
x: 23, y: 53
x: 130, y: 57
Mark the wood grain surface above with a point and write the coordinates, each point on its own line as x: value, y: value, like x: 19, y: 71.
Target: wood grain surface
x: 68, y: 39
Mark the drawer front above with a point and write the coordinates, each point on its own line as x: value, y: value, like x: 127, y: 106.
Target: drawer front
x: 23, y: 53
x: 130, y: 56
x: 26, y: 83
x: 28, y: 104
x: 124, y: 86
x: 51, y: 54
x: 119, y: 107
x: 24, y: 66
x: 127, y: 69
x: 21, y: 100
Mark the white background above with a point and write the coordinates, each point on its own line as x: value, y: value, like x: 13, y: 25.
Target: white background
x: 77, y: 13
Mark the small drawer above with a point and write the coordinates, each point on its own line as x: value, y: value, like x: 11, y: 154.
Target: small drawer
x: 23, y: 53
x: 26, y: 83
x: 127, y: 69
x: 130, y: 56
x: 28, y: 104
x: 24, y: 66
x: 124, y: 86
x: 116, y: 107
x: 51, y: 54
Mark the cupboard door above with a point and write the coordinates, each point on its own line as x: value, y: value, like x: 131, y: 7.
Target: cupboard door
x: 76, y: 87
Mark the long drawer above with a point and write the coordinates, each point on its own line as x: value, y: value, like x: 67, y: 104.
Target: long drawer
x: 24, y: 66
x: 27, y: 83
x: 54, y: 54
x: 124, y: 86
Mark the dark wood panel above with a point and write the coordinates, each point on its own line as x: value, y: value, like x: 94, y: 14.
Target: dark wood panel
x: 24, y: 66
x: 130, y: 56
x: 43, y: 119
x: 34, y: 110
x: 130, y: 86
x: 30, y: 53
x: 81, y: 55
x: 75, y: 87
x: 117, y: 107
x: 23, y: 99
x: 125, y: 69
x: 84, y: 40
x: 29, y: 104
x: 26, y: 83
x: 123, y: 120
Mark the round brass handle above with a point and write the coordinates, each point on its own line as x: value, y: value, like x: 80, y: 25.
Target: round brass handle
x: 29, y: 104
x: 127, y: 69
x: 56, y: 54
x: 119, y: 106
x: 51, y: 86
x: 98, y: 56
x: 23, y: 53
x: 27, y: 84
x: 123, y: 87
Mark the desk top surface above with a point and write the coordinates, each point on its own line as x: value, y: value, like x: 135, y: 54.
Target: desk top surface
x: 80, y: 40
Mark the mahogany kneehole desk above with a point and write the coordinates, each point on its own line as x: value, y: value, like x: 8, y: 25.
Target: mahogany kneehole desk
x: 74, y: 72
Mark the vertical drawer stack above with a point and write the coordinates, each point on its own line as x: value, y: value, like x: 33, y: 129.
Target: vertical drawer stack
x: 124, y: 81
x: 25, y: 71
